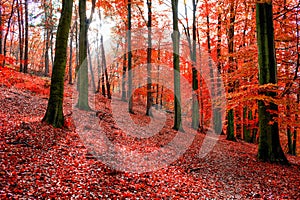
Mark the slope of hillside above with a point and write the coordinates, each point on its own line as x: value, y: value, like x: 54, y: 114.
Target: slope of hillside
x: 39, y: 161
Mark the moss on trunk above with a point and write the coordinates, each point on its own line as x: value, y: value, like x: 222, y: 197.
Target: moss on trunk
x: 54, y: 114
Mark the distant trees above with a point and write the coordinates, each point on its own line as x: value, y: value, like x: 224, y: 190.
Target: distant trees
x: 226, y: 30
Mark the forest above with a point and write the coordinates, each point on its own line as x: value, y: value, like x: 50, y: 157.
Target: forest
x: 151, y: 99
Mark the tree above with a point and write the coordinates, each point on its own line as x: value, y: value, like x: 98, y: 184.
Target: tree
x: 149, y: 55
x: 230, y: 116
x: 269, y: 148
x: 129, y: 58
x: 176, y: 66
x: 54, y: 114
x: 20, y: 27
x: 6, y: 35
x: 25, y: 69
x: 48, y: 12
x: 83, y: 66
x: 193, y: 52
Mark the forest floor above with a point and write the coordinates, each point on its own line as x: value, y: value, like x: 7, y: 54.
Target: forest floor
x: 39, y: 161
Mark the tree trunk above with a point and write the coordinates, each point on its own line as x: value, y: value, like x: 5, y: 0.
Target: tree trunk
x: 47, y: 39
x: 200, y: 98
x: 149, y: 55
x: 25, y: 70
x: 71, y: 55
x: 195, y: 103
x: 6, y: 34
x: 217, y: 118
x: 98, y: 65
x: 91, y: 68
x: 20, y: 26
x: 54, y: 114
x: 129, y: 56
x: 83, y: 65
x: 230, y: 116
x: 269, y: 148
x: 1, y: 32
x: 158, y: 68
x: 176, y: 66
x: 107, y: 83
x: 124, y: 73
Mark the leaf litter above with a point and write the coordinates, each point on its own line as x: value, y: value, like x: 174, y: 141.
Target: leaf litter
x: 39, y: 161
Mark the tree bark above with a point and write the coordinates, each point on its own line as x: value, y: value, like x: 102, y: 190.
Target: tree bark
x: 124, y: 74
x: 54, y: 114
x: 269, y: 148
x: 6, y: 34
x: 25, y: 70
x: 176, y: 66
x: 230, y: 115
x: 195, y: 98
x: 129, y: 56
x: 1, y: 32
x: 20, y: 26
x: 149, y: 55
x: 217, y: 118
x: 83, y: 65
x: 107, y: 83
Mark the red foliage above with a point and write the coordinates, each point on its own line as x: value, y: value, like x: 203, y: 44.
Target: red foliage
x: 26, y: 82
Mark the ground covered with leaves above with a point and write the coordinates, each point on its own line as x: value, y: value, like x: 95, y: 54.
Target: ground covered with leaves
x: 39, y: 161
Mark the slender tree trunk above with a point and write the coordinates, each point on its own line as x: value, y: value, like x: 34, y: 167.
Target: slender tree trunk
x: 161, y: 96
x: 158, y: 68
x: 20, y: 26
x: 149, y: 55
x: 25, y: 70
x: 217, y: 118
x: 124, y: 73
x: 1, y: 32
x: 176, y: 41
x: 54, y: 114
x: 76, y: 42
x: 12, y: 38
x: 47, y: 62
x: 195, y: 98
x: 230, y: 116
x: 47, y: 40
x: 91, y: 68
x: 295, y: 135
x: 288, y: 128
x: 51, y: 46
x: 83, y: 68
x: 129, y: 56
x: 103, y: 82
x: 7, y: 32
x: 200, y: 99
x: 269, y: 148
x: 98, y: 65
x: 99, y: 73
x: 107, y: 83
x: 71, y: 55
x: 124, y: 76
